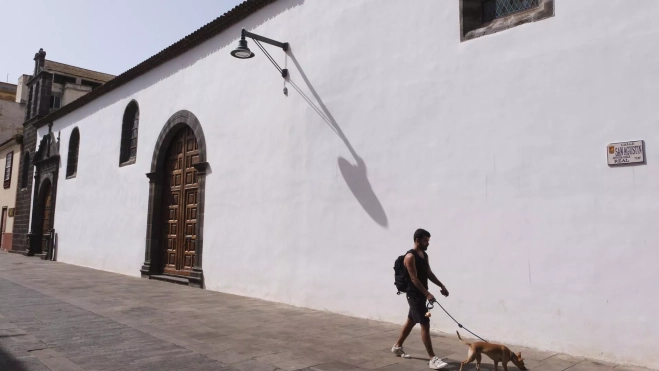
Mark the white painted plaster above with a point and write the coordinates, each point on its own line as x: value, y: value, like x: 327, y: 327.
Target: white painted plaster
x: 497, y: 146
x: 8, y: 195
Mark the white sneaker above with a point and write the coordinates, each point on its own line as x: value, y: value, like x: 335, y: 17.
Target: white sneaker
x: 436, y: 363
x: 400, y: 352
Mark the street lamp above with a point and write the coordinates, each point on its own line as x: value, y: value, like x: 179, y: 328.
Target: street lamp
x: 243, y: 52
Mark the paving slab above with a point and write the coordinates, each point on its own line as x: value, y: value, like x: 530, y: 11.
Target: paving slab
x: 57, y: 317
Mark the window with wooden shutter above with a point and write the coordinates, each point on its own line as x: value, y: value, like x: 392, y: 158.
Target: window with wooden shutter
x: 72, y: 160
x: 8, y: 167
x: 129, y: 130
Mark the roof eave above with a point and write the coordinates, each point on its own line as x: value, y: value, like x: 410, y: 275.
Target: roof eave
x: 211, y: 29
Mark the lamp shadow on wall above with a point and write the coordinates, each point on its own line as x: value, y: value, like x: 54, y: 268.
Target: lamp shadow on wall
x: 185, y: 60
x: 355, y: 176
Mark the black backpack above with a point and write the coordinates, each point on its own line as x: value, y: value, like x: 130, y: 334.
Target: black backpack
x: 401, y: 277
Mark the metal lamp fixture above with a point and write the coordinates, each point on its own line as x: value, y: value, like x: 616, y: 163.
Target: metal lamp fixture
x: 243, y: 52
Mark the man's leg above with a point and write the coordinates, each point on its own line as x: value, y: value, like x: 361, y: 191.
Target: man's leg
x: 425, y: 337
x: 405, y: 332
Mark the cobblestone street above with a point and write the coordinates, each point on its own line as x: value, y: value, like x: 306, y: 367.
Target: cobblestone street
x: 55, y: 316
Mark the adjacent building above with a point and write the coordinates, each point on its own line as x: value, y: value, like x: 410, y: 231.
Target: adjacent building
x: 12, y: 111
x: 12, y: 114
x: 10, y: 152
x: 52, y: 86
x: 498, y: 125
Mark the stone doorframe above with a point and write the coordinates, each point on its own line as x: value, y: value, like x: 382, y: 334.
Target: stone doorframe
x: 47, y: 162
x: 154, y: 233
x: 36, y: 235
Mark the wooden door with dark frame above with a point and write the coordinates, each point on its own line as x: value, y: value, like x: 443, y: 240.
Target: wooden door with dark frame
x: 3, y: 227
x: 179, y: 201
x: 45, y: 217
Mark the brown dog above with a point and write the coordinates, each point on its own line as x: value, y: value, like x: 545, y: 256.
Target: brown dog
x: 498, y: 353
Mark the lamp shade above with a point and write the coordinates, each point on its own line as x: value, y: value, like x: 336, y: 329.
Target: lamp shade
x: 242, y: 51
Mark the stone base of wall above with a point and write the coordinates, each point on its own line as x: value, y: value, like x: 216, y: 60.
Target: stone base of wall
x: 6, y: 241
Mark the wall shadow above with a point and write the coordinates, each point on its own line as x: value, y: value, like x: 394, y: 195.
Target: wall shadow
x: 355, y: 176
x: 9, y: 362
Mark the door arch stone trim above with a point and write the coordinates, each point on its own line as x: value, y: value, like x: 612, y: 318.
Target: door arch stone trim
x: 151, y: 265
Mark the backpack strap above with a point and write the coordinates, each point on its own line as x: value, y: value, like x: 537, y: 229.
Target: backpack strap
x: 408, y: 252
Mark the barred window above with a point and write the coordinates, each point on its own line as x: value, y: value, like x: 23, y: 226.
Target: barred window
x: 74, y: 149
x: 129, y: 131
x: 493, y: 9
x: 484, y: 17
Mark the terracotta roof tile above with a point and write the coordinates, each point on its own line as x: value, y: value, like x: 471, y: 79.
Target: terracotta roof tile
x: 52, y: 66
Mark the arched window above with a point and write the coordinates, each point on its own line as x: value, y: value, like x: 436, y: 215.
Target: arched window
x: 72, y: 160
x: 25, y: 170
x: 129, y: 126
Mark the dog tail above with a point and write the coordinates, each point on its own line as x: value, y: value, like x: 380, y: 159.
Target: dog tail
x: 461, y: 339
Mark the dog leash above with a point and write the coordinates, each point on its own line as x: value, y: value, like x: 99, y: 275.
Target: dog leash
x: 431, y: 306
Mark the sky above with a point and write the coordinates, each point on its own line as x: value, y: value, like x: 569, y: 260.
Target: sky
x: 105, y: 36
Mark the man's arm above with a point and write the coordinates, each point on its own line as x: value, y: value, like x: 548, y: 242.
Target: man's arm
x: 435, y: 280
x: 411, y: 269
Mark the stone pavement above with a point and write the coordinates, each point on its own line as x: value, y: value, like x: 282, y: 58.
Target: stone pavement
x: 55, y: 316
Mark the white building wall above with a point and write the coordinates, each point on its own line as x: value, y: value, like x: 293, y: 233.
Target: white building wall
x: 73, y: 92
x: 22, y: 90
x: 495, y: 145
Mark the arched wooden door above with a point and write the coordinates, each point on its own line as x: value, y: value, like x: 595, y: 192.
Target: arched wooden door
x: 46, y: 197
x: 179, y: 204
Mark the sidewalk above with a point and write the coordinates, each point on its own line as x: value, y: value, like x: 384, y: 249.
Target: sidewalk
x: 55, y: 316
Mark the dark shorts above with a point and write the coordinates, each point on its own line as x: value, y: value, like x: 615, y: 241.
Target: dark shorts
x: 418, y: 309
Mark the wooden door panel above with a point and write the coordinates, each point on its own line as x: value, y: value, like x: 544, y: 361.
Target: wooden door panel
x: 180, y: 197
x: 3, y: 229
x: 190, y: 226
x: 171, y: 231
x: 45, y: 221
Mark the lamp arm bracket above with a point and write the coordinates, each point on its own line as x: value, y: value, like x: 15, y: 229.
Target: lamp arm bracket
x: 254, y: 36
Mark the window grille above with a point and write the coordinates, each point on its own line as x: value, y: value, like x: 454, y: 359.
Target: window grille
x: 493, y: 9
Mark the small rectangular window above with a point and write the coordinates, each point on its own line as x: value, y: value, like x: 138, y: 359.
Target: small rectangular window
x: 484, y: 17
x: 8, y: 166
x: 61, y: 79
x: 55, y: 102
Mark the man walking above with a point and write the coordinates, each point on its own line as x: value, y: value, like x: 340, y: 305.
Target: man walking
x: 419, y: 272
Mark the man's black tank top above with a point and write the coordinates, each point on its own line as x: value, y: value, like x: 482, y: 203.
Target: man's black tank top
x: 421, y: 273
